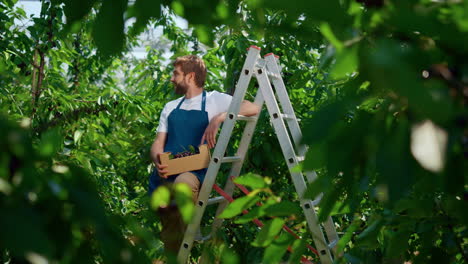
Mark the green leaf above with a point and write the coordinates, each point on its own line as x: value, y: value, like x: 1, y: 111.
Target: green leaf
x: 368, y: 238
x: 239, y: 204
x: 77, y: 136
x: 316, y: 187
x: 283, y: 208
x: 144, y: 11
x: 275, y: 251
x: 184, y: 200
x: 327, y: 32
x: 222, y: 10
x: 344, y: 240
x: 316, y: 157
x: 5, y: 186
x: 24, y: 231
x: 340, y: 208
x: 108, y: 30
x: 415, y: 208
x: 251, y: 180
x: 346, y: 62
x: 178, y: 8
x: 76, y: 9
x: 51, y: 142
x: 255, y: 213
x: 298, y: 249
x: 204, y: 34
x: 269, y: 231
x: 161, y: 197
x: 398, y: 243
x: 229, y: 256
x: 327, y: 204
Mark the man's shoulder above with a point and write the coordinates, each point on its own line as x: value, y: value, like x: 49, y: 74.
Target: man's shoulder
x: 216, y: 94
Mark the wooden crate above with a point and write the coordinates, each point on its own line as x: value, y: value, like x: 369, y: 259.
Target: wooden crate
x: 190, y: 163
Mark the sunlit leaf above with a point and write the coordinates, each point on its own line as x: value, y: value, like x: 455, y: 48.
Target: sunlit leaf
x: 251, y: 180
x: 160, y: 197
x: 428, y: 145
x: 239, y: 204
x: 184, y: 200
x: 77, y: 136
x: 328, y: 34
x: 346, y: 62
x: 255, y: 212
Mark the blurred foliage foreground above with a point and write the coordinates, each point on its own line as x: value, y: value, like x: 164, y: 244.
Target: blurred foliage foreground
x: 381, y: 87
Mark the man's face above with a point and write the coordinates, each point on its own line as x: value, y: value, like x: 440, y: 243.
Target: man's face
x: 178, y: 79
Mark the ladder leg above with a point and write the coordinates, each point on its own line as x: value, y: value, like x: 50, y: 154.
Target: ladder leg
x: 292, y: 161
x: 218, y: 155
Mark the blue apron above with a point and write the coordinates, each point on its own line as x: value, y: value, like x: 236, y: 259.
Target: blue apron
x: 185, y: 129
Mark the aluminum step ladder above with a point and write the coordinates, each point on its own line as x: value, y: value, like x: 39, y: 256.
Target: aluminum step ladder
x: 264, y: 70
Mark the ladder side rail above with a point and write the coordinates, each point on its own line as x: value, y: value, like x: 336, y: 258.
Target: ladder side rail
x: 292, y: 161
x: 284, y: 101
x: 236, y: 167
x: 218, y: 154
x: 332, y: 235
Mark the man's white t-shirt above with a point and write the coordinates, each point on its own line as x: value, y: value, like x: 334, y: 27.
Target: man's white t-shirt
x: 216, y: 103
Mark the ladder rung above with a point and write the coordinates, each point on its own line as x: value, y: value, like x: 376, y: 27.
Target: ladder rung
x: 230, y: 159
x: 287, y: 117
x: 200, y: 238
x: 333, y: 244
x: 246, y: 118
x: 274, y: 76
x: 316, y: 201
x: 216, y: 200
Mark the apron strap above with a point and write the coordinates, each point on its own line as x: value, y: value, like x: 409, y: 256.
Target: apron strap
x: 203, y: 101
x: 181, y: 101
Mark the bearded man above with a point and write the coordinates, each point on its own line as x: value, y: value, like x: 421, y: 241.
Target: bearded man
x: 190, y: 120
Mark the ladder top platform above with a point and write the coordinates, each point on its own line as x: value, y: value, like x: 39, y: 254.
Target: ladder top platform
x: 271, y: 53
x: 254, y: 47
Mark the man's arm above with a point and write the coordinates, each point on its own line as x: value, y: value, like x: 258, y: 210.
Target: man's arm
x: 247, y: 108
x: 156, y: 149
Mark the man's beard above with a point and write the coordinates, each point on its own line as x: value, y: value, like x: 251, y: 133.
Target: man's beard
x: 180, y: 88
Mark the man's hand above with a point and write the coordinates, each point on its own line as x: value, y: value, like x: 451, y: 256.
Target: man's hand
x: 162, y: 170
x: 212, y: 130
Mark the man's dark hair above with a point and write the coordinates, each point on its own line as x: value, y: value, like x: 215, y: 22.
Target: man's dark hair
x: 192, y: 63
